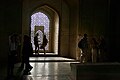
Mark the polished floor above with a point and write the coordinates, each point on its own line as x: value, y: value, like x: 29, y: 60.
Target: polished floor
x: 51, y: 59
x: 57, y: 69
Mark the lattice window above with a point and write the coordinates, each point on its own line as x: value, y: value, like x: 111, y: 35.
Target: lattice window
x: 39, y: 19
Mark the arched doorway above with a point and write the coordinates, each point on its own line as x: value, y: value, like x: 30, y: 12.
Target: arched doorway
x: 45, y: 20
x: 40, y: 25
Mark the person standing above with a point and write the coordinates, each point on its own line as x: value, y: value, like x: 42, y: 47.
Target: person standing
x: 13, y: 47
x: 36, y: 43
x: 102, y: 49
x: 94, y: 50
x: 83, y: 45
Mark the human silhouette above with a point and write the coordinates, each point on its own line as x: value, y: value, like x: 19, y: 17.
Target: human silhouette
x: 19, y: 47
x: 83, y: 45
x: 27, y: 50
x: 13, y: 47
x: 36, y: 43
x: 102, y: 49
x: 45, y: 41
x: 94, y: 50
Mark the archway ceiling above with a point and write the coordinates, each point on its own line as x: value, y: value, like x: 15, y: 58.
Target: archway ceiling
x: 45, y: 9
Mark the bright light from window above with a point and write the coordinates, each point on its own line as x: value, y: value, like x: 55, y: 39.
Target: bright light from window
x: 39, y: 19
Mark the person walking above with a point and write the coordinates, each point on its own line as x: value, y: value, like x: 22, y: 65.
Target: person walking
x: 45, y: 41
x: 27, y: 50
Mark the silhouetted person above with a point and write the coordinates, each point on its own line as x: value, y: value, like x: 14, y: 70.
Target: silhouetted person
x: 13, y: 45
x: 83, y: 45
x: 94, y: 50
x: 102, y: 49
x: 45, y: 41
x: 27, y: 50
x: 36, y: 43
x: 19, y: 46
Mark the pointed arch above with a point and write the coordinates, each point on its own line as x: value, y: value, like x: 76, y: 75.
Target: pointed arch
x: 48, y: 18
x: 38, y: 21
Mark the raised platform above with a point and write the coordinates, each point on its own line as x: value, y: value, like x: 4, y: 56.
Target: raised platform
x: 95, y: 71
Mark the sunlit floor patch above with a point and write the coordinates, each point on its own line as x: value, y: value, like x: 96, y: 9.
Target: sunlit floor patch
x: 46, y: 70
x: 51, y: 59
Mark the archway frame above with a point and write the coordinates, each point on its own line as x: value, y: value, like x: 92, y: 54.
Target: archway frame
x: 53, y: 27
x: 63, y: 12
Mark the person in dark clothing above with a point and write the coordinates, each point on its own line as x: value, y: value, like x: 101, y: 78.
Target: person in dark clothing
x: 36, y: 43
x: 102, y: 49
x: 13, y: 46
x: 27, y: 50
x: 94, y: 50
x: 83, y: 45
x: 45, y: 41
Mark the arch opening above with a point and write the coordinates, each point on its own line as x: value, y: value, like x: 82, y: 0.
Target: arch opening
x: 42, y: 22
x: 40, y: 25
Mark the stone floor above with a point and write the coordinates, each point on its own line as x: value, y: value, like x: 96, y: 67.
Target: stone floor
x: 57, y: 69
